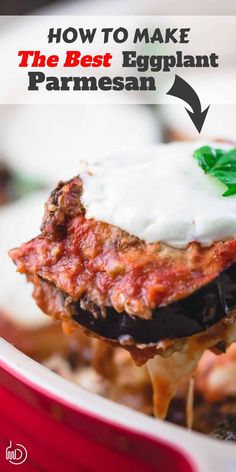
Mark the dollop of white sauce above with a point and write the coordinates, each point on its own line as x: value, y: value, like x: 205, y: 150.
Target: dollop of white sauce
x: 160, y: 194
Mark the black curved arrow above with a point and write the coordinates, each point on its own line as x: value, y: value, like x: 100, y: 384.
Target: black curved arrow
x: 183, y: 90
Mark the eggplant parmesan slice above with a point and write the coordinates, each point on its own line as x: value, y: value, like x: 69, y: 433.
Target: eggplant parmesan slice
x: 116, y: 284
x: 172, y: 296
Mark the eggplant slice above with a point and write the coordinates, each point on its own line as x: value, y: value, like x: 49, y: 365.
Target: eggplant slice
x: 183, y: 318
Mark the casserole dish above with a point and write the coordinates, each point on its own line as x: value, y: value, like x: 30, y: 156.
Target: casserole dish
x: 60, y: 424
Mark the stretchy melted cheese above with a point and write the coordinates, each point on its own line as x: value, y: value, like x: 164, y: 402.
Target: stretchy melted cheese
x: 162, y: 195
x: 166, y: 373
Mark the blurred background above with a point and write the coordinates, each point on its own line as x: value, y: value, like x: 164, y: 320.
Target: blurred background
x: 157, y: 7
x: 17, y: 7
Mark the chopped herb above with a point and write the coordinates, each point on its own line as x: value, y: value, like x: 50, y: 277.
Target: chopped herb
x: 220, y: 164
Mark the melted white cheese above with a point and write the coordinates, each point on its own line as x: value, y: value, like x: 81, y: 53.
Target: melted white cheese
x: 167, y: 372
x: 160, y: 194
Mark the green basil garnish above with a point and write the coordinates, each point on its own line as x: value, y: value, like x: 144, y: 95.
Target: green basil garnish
x: 220, y: 164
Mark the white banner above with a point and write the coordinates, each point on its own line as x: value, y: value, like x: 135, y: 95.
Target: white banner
x: 120, y: 59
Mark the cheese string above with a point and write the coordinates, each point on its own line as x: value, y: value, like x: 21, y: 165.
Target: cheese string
x: 166, y: 373
x: 190, y: 403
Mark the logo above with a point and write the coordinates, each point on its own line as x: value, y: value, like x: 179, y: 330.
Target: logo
x: 16, y: 454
